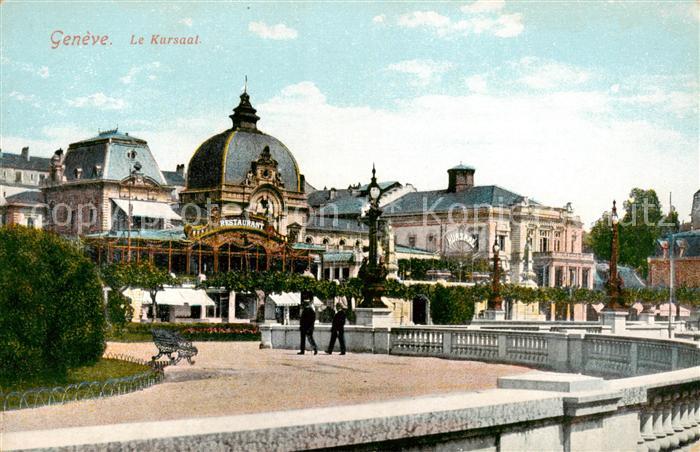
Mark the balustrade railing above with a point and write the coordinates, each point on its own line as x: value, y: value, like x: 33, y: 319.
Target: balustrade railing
x: 670, y: 420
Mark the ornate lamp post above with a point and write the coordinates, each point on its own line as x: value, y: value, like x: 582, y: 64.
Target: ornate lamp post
x: 135, y: 172
x: 373, y: 274
x: 615, y: 314
x: 494, y: 309
x: 614, y: 281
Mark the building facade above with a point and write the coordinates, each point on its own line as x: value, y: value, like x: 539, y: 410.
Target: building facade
x: 464, y: 222
x: 98, y: 183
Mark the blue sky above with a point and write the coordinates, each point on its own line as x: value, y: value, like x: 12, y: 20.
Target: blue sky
x: 561, y: 101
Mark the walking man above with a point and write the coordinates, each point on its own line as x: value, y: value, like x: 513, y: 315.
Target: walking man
x: 306, y: 327
x: 338, y: 329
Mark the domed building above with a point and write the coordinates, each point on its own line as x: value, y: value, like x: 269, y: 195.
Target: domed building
x: 243, y: 172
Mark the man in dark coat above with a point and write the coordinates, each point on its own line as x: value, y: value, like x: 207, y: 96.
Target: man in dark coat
x: 306, y: 328
x: 338, y: 329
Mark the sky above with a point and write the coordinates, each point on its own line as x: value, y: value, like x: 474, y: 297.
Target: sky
x: 559, y: 101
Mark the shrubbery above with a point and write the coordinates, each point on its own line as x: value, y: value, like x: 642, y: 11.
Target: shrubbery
x: 119, y: 310
x: 192, y: 331
x: 51, y: 306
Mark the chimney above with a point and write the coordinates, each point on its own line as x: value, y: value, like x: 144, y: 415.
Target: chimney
x: 180, y: 169
x: 460, y: 178
x: 25, y: 153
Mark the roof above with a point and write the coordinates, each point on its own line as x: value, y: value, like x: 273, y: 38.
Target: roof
x: 320, y: 197
x: 147, y: 209
x: 462, y: 167
x: 336, y: 224
x: 110, y: 134
x: 111, y: 156
x: 226, y: 157
x: 16, y: 161
x: 338, y: 256
x: 28, y: 197
x: 630, y: 278
x: 410, y: 250
x: 443, y: 201
x: 308, y: 246
x: 691, y: 241
x: 174, y: 178
x: 180, y: 296
x: 290, y: 299
x: 145, y: 234
x: 346, y: 205
x: 230, y: 154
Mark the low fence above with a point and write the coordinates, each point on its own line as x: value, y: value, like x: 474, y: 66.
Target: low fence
x: 36, y: 397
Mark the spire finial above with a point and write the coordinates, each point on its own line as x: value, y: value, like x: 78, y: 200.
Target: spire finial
x: 245, y: 85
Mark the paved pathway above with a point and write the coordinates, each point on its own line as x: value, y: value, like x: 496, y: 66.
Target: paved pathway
x: 236, y: 378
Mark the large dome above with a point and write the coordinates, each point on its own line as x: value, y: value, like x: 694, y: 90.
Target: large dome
x: 226, y: 158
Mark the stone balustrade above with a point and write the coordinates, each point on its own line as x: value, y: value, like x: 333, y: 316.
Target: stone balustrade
x: 608, y: 393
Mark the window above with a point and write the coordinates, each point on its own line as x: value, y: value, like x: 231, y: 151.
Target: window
x: 412, y: 241
x: 502, y: 242
x: 342, y: 242
x: 358, y: 243
x: 326, y: 241
x: 309, y: 240
x: 30, y: 222
x: 545, y: 237
x: 557, y: 241
x: 584, y: 278
x: 18, y: 177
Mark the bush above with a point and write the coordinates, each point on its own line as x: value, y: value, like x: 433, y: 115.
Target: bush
x: 141, y: 332
x: 51, y: 308
x: 119, y: 310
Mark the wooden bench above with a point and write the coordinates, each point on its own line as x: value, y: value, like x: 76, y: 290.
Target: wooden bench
x: 169, y: 342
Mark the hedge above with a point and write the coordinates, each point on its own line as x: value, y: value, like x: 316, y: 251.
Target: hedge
x: 51, y: 306
x: 192, y: 331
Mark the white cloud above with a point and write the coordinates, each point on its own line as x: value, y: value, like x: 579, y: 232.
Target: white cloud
x: 379, y: 19
x: 277, y: 32
x: 483, y: 6
x: 476, y: 83
x: 98, y: 100
x: 546, y: 74
x: 502, y: 26
x: 423, y: 71
x: 428, y: 19
x: 508, y: 25
x: 42, y: 71
x: 527, y: 143
x: 187, y: 21
x: 25, y: 98
x: 134, y: 71
x: 49, y: 139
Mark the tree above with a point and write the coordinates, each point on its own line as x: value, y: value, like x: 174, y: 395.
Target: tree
x: 150, y: 278
x: 640, y: 226
x: 51, y: 306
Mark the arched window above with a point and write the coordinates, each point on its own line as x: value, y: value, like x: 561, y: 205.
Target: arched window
x: 326, y: 241
x: 342, y: 242
x: 309, y: 240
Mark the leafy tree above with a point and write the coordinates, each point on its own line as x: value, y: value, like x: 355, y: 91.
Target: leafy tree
x: 152, y: 279
x: 51, y: 306
x: 639, y: 228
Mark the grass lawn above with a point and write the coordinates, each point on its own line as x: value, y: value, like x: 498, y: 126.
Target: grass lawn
x: 141, y: 332
x: 102, y: 370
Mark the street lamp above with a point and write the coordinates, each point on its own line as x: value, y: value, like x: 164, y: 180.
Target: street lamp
x: 614, y: 282
x: 135, y: 172
x: 495, y: 302
x: 373, y: 275
x: 669, y: 246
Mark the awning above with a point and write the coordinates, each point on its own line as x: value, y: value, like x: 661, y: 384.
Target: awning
x: 290, y: 299
x: 181, y: 296
x: 148, y: 209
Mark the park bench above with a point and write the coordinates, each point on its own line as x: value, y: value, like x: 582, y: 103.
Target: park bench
x: 169, y: 342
